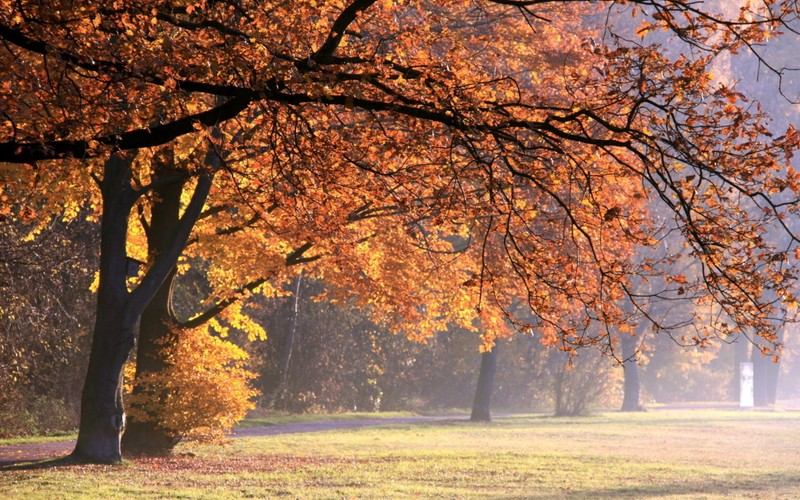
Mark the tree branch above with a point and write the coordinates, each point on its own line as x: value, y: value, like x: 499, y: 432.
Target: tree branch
x: 27, y: 152
x: 166, y: 260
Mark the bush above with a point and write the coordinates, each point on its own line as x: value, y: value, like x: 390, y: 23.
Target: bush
x: 15, y: 419
x: 204, y: 391
x: 584, y: 383
x: 28, y: 416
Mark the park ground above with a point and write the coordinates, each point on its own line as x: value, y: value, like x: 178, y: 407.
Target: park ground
x: 674, y: 453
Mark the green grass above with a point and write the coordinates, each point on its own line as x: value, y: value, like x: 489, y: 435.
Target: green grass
x: 56, y: 436
x: 659, y: 454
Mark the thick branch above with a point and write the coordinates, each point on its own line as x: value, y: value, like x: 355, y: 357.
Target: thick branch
x: 26, y: 152
x: 220, y: 306
x: 294, y: 258
x: 338, y: 29
x: 167, y: 258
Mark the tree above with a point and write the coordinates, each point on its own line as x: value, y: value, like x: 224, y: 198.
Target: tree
x: 487, y: 123
x: 158, y: 318
x: 157, y: 421
x: 765, y: 373
x: 631, y: 400
x: 118, y: 310
x: 481, y: 407
x: 580, y: 381
x: 288, y: 342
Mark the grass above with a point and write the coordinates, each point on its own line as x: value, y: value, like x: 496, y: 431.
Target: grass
x: 659, y: 454
x: 56, y: 436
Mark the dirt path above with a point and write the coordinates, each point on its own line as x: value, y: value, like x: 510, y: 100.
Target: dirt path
x: 327, y: 425
x: 31, y: 452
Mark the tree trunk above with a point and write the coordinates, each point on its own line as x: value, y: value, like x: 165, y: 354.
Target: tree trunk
x: 481, y: 407
x: 148, y: 437
x: 559, y: 381
x: 630, y: 368
x: 102, y: 414
x: 772, y: 376
x: 288, y: 345
x: 765, y: 374
x: 102, y: 420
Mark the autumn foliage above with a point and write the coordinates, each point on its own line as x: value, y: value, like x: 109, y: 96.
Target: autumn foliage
x: 540, y: 145
x: 204, y: 391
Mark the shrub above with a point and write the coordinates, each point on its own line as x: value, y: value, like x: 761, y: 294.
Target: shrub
x: 204, y: 391
x: 583, y: 384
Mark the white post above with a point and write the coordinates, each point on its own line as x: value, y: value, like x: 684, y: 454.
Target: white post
x: 746, y: 385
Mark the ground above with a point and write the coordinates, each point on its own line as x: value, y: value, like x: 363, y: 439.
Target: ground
x: 31, y: 452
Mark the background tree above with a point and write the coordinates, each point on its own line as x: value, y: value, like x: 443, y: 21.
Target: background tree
x: 44, y: 334
x: 630, y: 346
x: 481, y: 406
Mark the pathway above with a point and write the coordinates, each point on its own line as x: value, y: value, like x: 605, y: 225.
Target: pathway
x: 31, y: 452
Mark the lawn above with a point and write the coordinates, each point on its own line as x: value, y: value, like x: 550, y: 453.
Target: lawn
x: 658, y: 454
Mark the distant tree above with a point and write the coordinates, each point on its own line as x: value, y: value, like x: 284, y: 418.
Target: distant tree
x: 766, y: 370
x: 481, y: 406
x: 631, y: 400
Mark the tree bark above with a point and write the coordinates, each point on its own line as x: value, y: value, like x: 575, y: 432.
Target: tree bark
x: 773, y: 375
x: 481, y: 407
x: 102, y: 414
x: 148, y: 436
x: 288, y: 345
x: 102, y: 420
x: 630, y: 368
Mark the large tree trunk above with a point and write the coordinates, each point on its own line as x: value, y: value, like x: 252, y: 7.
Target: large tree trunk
x: 630, y: 367
x: 481, y: 407
x: 102, y: 419
x: 147, y: 436
x: 102, y: 415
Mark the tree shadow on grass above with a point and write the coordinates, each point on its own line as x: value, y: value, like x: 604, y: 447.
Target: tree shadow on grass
x: 47, y: 463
